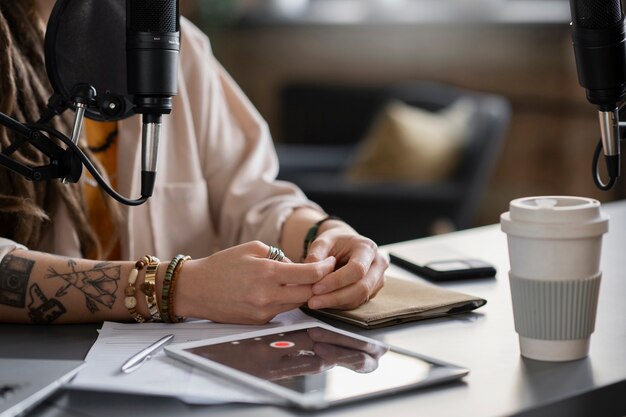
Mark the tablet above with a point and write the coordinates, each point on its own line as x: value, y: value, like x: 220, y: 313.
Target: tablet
x: 314, y: 365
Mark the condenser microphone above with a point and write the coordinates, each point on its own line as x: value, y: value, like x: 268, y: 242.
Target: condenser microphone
x: 152, y: 49
x: 599, y: 40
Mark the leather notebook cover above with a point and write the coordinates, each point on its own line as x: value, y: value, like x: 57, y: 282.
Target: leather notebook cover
x: 402, y: 300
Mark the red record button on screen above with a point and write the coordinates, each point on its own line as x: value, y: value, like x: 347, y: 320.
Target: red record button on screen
x: 281, y: 344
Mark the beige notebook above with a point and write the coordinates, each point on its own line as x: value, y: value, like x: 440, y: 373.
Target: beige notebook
x: 403, y: 300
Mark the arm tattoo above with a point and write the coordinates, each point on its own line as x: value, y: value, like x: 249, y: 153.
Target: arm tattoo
x: 14, y: 276
x: 98, y: 284
x: 41, y: 309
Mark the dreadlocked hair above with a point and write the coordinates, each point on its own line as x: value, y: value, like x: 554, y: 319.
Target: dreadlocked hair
x: 26, y: 207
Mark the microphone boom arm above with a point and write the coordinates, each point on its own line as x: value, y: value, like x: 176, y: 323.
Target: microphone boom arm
x: 64, y: 163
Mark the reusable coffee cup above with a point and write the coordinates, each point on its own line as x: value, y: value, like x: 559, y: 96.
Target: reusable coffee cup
x: 554, y: 250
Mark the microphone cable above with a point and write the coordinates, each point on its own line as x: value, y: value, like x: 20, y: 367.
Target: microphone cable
x: 595, y: 170
x: 87, y: 163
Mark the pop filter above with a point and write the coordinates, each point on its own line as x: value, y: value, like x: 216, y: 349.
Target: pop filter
x: 86, y: 44
x: 110, y: 59
x: 107, y: 60
x: 96, y: 52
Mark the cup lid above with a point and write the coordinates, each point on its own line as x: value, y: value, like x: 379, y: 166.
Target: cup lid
x: 560, y: 216
x: 554, y: 209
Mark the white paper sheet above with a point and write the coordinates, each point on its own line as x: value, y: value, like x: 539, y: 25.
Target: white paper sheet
x: 163, y: 375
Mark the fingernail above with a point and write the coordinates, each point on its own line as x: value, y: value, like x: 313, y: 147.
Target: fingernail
x: 314, y: 304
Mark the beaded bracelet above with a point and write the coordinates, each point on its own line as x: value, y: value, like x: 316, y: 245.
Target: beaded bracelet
x: 175, y: 275
x: 130, y: 301
x: 165, y: 292
x: 149, y: 287
x: 312, y: 234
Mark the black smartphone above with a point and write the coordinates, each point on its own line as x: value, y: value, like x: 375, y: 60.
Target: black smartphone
x: 448, y: 269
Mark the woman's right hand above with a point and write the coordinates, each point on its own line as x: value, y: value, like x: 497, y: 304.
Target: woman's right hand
x: 241, y: 285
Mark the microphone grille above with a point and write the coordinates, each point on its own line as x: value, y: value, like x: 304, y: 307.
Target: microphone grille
x: 156, y: 16
x: 596, y: 14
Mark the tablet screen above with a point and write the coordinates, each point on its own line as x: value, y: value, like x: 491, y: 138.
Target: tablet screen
x: 317, y: 361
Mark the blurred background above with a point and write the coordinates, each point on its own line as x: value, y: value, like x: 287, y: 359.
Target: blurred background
x: 519, y: 50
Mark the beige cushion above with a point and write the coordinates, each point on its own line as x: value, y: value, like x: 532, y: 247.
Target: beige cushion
x: 407, y: 143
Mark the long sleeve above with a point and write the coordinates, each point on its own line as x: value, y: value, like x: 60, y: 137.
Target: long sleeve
x: 239, y: 161
x: 217, y: 166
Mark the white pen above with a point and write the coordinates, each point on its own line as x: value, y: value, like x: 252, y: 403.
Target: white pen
x: 139, y: 358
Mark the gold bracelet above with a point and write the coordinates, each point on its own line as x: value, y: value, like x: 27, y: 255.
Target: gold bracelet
x: 149, y: 287
x: 130, y: 301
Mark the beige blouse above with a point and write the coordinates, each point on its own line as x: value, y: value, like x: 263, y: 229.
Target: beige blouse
x: 216, y: 172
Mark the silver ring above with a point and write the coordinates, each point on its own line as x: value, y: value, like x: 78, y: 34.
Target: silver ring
x: 275, y: 254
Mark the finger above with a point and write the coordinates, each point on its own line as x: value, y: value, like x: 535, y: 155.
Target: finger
x: 343, y: 277
x: 346, y: 298
x: 295, y: 295
x: 358, y: 266
x: 319, y: 249
x: 298, y: 273
x: 259, y: 249
x: 379, y: 285
x: 355, y: 294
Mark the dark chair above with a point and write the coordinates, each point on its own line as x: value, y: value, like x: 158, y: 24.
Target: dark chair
x: 323, y: 123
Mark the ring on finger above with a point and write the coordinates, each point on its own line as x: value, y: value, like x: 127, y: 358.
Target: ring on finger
x: 275, y: 254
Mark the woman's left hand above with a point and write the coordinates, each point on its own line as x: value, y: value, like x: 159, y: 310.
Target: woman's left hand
x: 360, y: 269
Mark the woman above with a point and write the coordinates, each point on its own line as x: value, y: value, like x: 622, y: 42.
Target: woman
x: 216, y: 200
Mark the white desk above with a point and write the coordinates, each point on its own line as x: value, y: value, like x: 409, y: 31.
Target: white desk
x: 500, y: 383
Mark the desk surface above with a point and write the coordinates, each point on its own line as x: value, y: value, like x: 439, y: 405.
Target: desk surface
x: 500, y: 383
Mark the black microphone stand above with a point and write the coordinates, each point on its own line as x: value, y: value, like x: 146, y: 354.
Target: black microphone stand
x: 64, y: 163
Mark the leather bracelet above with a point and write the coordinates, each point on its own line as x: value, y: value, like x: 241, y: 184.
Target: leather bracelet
x: 175, y: 275
x: 312, y: 234
x: 166, y: 290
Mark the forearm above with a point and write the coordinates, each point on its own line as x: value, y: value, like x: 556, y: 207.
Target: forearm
x: 294, y: 231
x: 37, y: 287
x: 297, y: 226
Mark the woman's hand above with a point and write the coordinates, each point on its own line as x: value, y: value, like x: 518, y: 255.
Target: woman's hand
x: 360, y: 267
x: 241, y: 285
